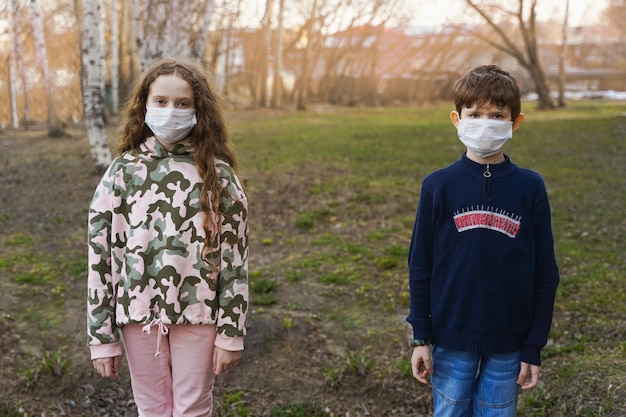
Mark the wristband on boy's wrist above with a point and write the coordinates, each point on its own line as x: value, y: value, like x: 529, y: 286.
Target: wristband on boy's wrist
x: 420, y: 342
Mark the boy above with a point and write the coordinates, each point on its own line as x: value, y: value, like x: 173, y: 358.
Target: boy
x: 482, y: 268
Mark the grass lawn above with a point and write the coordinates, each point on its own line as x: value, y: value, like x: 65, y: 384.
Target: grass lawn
x: 332, y: 194
x: 355, y: 178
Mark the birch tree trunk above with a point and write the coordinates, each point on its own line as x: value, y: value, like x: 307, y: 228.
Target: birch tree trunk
x: 200, y: 44
x: 155, y: 31
x: 138, y: 27
x: 115, y: 60
x: 227, y: 54
x: 303, y: 84
x: 93, y: 75
x: 278, y: 60
x: 55, y: 129
x: 563, y: 57
x: 265, y: 50
x: 176, y: 40
x: 128, y: 50
x: 163, y: 28
x: 13, y: 65
x: 19, y: 52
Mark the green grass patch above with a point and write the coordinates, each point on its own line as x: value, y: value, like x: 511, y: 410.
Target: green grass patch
x: 262, y: 285
x: 298, y: 410
x: 348, y: 183
x: 403, y: 367
x: 359, y: 363
x: 263, y: 290
x: 233, y: 404
x: 7, y: 410
x: 360, y: 171
x: 336, y: 278
x: 20, y: 239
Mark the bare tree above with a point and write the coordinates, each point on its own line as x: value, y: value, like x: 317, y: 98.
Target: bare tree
x: 200, y: 43
x: 115, y: 61
x: 55, y: 128
x: 225, y: 38
x: 176, y: 39
x: 13, y: 64
x: 128, y: 65
x: 93, y: 76
x: 264, y: 51
x: 562, y: 56
x: 350, y: 56
x: 172, y: 28
x: 430, y: 55
x: 155, y: 32
x: 615, y: 15
x: 19, y: 52
x: 278, y: 60
x: 526, y: 54
x: 138, y: 30
x: 303, y: 83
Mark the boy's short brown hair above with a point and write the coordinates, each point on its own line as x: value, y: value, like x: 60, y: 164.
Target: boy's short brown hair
x: 488, y: 84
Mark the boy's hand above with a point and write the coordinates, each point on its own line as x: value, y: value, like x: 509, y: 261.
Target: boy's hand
x: 528, y: 376
x: 420, y: 363
x: 223, y: 360
x: 107, y: 367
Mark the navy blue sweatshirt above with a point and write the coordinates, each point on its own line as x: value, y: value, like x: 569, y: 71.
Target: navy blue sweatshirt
x: 482, y: 268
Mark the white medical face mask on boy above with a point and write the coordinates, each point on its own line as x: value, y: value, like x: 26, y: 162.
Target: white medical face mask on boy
x: 484, y: 137
x: 170, y: 125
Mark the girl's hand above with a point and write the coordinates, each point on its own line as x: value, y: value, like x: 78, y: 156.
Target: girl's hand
x: 223, y: 360
x: 107, y: 367
x: 420, y: 363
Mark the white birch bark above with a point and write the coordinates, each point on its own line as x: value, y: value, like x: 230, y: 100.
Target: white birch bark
x: 265, y: 50
x: 200, y: 44
x: 54, y: 126
x: 303, y: 84
x: 102, y: 34
x: 19, y: 44
x: 227, y: 46
x: 177, y: 38
x: 115, y: 60
x: 563, y: 57
x: 155, y: 30
x: 129, y: 58
x: 93, y: 75
x: 162, y: 29
x: 15, y: 120
x: 138, y: 27
x: 277, y: 90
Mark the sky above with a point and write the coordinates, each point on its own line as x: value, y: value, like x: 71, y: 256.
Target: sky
x: 440, y: 12
x: 437, y: 12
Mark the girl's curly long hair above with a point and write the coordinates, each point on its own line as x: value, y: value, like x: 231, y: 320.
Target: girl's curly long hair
x: 209, y: 137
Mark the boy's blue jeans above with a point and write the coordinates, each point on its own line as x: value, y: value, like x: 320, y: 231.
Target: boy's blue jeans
x: 469, y: 384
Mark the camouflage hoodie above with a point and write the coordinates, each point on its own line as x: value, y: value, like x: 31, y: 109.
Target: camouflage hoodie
x: 145, y: 249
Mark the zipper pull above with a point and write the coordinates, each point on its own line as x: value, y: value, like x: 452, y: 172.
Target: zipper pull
x: 487, y: 173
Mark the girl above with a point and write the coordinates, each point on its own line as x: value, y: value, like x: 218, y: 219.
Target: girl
x: 168, y: 247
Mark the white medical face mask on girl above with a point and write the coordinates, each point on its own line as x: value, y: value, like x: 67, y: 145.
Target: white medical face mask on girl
x: 484, y: 137
x: 170, y: 125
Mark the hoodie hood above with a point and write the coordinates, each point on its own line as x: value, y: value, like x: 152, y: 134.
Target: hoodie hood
x: 152, y: 149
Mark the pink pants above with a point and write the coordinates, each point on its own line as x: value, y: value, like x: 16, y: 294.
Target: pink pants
x: 179, y: 380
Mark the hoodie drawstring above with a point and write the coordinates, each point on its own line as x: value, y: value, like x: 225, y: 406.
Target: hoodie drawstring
x: 163, y: 330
